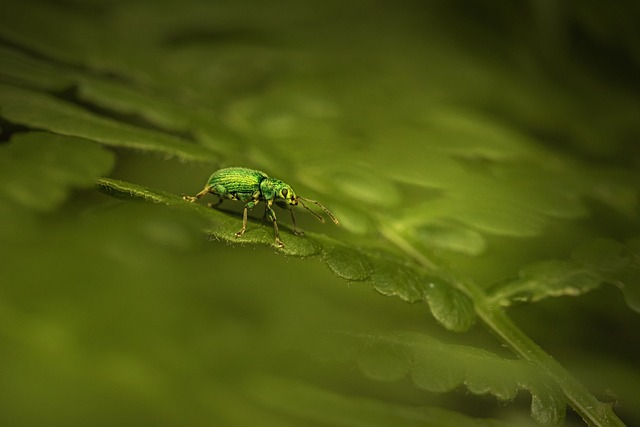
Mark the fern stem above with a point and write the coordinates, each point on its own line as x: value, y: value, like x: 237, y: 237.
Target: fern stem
x: 592, y: 411
x: 394, y: 237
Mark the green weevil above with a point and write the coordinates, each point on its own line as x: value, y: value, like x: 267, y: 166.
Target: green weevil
x: 250, y: 187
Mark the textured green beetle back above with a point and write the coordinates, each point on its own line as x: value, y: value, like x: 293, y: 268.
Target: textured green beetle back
x: 237, y: 180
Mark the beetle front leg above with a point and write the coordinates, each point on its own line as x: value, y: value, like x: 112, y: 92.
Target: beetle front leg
x: 296, y: 230
x: 272, y: 216
x: 250, y: 205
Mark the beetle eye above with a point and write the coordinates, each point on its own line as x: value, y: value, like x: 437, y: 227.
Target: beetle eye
x: 285, y: 192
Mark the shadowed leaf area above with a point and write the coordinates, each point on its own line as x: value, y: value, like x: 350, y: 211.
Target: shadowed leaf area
x: 482, y: 161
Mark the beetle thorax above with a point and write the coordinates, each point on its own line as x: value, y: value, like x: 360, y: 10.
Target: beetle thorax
x: 273, y: 188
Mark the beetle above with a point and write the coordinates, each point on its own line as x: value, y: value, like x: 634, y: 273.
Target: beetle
x: 251, y: 186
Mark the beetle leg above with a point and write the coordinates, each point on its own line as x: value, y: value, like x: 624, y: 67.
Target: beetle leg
x: 215, y: 205
x: 296, y: 230
x: 272, y: 216
x: 197, y: 196
x: 250, y: 205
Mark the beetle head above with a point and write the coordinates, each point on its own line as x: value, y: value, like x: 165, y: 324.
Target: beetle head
x: 285, y: 192
x: 289, y: 196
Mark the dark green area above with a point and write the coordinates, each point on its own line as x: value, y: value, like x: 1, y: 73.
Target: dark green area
x: 483, y: 159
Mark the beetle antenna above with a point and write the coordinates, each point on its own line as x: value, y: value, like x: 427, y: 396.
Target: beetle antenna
x: 314, y: 214
x: 329, y: 214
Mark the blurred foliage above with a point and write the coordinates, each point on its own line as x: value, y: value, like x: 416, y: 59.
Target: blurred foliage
x: 479, y: 156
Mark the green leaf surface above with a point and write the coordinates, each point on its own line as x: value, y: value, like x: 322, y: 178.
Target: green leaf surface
x: 22, y: 69
x: 310, y: 404
x: 41, y: 111
x: 450, y: 306
x: 347, y: 263
x: 387, y: 274
x: 593, y: 263
x: 38, y: 170
x: 477, y: 156
x: 438, y: 367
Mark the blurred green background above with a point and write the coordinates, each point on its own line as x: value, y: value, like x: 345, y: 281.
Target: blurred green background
x: 491, y: 135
